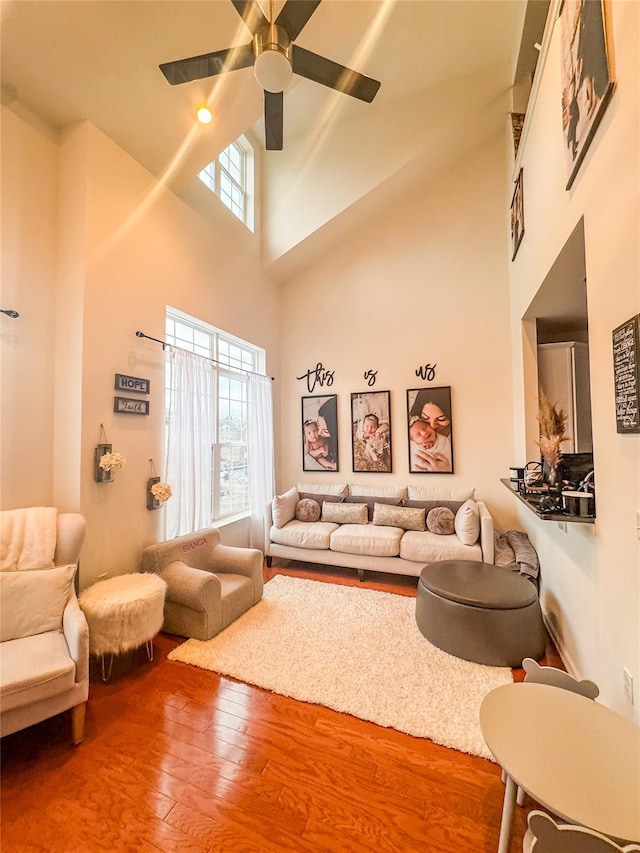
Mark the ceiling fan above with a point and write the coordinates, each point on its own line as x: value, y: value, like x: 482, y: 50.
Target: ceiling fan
x: 275, y: 59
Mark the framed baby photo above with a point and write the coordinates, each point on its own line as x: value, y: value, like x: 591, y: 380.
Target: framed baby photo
x: 319, y: 433
x: 371, y: 431
x: 430, y: 430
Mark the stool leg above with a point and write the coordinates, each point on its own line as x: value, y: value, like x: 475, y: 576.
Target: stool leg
x: 149, y: 648
x: 106, y: 676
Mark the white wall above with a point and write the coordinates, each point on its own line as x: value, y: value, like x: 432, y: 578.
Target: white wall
x: 28, y: 259
x: 591, y: 575
x: 126, y: 248
x: 424, y: 282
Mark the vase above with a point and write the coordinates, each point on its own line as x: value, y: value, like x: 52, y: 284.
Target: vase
x: 550, y: 476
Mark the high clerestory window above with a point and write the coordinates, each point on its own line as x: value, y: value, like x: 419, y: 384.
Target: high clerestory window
x: 231, y: 178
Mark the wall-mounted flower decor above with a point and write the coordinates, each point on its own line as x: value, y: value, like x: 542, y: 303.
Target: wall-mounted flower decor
x: 105, y: 461
x: 157, y: 491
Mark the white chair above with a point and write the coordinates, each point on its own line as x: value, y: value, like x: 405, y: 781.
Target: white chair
x: 555, y: 678
x: 44, y: 638
x: 544, y: 835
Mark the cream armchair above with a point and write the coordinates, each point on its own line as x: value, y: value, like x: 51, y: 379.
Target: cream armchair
x: 208, y: 584
x: 44, y: 638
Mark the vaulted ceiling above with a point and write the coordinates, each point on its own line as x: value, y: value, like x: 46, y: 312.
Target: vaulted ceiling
x: 445, y: 67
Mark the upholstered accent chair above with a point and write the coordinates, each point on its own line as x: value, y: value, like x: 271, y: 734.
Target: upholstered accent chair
x: 44, y: 638
x: 208, y: 584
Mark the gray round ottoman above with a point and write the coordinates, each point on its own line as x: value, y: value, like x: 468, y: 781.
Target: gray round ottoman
x: 479, y: 612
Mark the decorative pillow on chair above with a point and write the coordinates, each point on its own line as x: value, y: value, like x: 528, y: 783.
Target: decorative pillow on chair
x: 341, y: 513
x: 308, y: 510
x: 441, y: 520
x: 467, y: 523
x: 284, y: 507
x: 32, y: 601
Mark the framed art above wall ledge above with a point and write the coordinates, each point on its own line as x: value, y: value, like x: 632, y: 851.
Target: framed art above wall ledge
x: 626, y: 375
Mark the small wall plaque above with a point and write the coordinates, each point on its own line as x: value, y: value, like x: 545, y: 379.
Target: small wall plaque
x: 133, y: 384
x: 129, y: 406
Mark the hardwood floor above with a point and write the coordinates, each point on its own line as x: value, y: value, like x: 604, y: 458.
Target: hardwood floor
x: 181, y: 759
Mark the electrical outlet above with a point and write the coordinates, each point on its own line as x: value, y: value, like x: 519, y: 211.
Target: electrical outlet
x: 628, y: 684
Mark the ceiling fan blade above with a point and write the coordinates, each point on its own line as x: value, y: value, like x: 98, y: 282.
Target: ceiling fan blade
x: 251, y: 14
x: 273, y: 120
x: 295, y: 14
x: 322, y: 70
x: 208, y: 65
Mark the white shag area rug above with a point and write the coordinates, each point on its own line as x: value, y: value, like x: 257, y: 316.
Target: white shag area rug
x: 357, y: 651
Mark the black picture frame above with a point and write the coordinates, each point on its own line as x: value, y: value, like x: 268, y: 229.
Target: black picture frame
x: 586, y: 79
x: 371, y: 432
x: 319, y: 433
x: 430, y: 430
x: 517, y: 215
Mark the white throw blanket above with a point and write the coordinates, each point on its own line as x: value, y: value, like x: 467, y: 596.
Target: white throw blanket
x: 28, y: 538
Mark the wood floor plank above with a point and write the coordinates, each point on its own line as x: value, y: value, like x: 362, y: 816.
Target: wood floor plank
x: 181, y: 759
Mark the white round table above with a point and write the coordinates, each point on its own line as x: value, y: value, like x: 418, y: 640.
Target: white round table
x: 571, y: 754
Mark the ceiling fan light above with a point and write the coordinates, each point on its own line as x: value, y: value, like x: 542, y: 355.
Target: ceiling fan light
x: 273, y: 70
x: 204, y: 115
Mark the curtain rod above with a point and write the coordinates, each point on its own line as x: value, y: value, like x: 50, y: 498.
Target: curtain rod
x: 164, y: 345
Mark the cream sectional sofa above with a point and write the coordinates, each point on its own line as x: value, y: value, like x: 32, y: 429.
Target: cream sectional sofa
x: 379, y: 529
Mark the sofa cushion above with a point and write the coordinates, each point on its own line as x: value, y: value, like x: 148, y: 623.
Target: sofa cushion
x: 441, y: 521
x: 367, y: 539
x: 423, y: 493
x: 284, y: 507
x: 304, y: 534
x: 399, y: 516
x: 313, y: 488
x: 35, y: 668
x: 308, y: 510
x: 32, y: 601
x: 430, y: 547
x: 344, y: 513
x: 467, y: 523
x: 382, y: 491
x: 372, y: 501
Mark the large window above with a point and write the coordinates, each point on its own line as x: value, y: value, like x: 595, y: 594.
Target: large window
x: 228, y: 403
x: 230, y: 177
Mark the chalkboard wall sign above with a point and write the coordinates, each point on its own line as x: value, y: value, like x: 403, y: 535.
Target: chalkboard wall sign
x: 626, y: 375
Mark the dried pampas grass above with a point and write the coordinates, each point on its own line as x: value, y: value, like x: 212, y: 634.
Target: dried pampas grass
x: 552, y: 431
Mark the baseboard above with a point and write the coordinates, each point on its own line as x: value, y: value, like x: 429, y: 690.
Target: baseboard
x: 567, y: 660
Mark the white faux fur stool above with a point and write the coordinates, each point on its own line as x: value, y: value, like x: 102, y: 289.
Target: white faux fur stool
x: 123, y: 612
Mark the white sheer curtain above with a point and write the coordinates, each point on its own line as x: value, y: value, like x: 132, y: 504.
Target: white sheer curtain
x: 259, y: 455
x: 190, y: 435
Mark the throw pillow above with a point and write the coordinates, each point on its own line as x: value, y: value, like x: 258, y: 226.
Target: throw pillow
x: 342, y: 513
x: 308, y: 510
x: 423, y: 493
x: 32, y: 601
x: 398, y: 516
x: 319, y: 497
x: 385, y: 492
x: 313, y: 488
x: 284, y: 507
x: 441, y: 520
x: 371, y: 502
x: 467, y: 523
x: 454, y: 506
